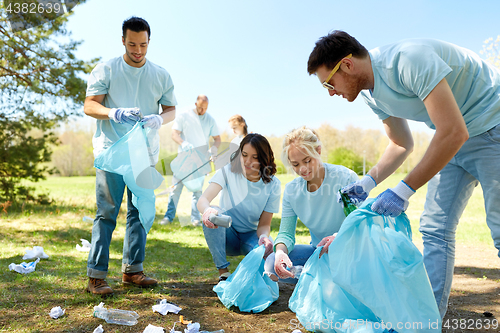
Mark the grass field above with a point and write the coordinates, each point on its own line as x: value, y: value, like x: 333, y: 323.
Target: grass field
x: 174, y: 254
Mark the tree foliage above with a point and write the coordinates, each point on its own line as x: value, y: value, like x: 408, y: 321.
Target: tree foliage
x: 491, y: 50
x: 348, y: 158
x: 40, y: 85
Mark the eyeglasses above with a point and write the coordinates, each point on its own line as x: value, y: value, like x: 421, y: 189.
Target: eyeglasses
x: 334, y: 70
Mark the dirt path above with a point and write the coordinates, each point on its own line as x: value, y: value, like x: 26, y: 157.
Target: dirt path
x: 475, y: 290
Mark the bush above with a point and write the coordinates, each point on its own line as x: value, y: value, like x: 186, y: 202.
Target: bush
x: 280, y: 167
x: 349, y: 159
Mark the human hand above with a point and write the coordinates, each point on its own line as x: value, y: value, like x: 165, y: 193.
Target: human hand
x: 281, y: 262
x: 358, y: 191
x: 185, y: 146
x: 153, y: 121
x: 393, y: 202
x: 213, y: 153
x: 206, y: 214
x: 125, y: 115
x: 268, y: 244
x: 325, y: 242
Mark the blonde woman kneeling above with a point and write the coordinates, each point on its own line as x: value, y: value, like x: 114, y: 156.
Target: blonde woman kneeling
x: 312, y: 197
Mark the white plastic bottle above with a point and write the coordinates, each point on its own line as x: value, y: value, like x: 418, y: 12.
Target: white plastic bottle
x: 296, y: 271
x: 115, y: 316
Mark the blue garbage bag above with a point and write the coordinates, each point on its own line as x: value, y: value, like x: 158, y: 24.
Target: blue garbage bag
x: 130, y: 157
x: 323, y: 306
x: 193, y: 164
x: 248, y: 287
x: 375, y: 261
x: 373, y: 279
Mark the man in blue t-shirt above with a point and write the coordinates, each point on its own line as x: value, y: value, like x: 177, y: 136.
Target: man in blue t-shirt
x: 454, y: 92
x: 118, y: 92
x: 192, y: 131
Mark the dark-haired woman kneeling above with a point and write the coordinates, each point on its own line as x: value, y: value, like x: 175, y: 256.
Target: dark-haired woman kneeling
x: 250, y: 195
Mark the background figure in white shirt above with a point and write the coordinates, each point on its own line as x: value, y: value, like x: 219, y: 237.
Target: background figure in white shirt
x: 192, y: 129
x: 239, y: 127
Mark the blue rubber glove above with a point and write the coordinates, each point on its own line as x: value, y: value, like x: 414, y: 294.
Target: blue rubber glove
x: 125, y: 115
x: 153, y: 121
x: 358, y: 191
x: 393, y: 202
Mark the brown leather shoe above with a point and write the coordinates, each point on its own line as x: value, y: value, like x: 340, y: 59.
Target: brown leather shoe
x: 99, y: 287
x: 138, y: 279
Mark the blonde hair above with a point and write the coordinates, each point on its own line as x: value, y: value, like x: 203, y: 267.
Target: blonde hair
x: 302, y: 137
x: 239, y: 120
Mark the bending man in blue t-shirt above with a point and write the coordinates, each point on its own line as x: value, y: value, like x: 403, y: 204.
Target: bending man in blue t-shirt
x: 116, y: 91
x: 454, y: 92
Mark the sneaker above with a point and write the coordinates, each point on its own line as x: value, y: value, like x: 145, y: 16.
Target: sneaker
x: 196, y: 223
x: 99, y: 287
x: 224, y: 276
x: 138, y: 279
x: 165, y: 221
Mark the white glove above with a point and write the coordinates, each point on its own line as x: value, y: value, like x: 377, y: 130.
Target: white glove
x: 185, y: 146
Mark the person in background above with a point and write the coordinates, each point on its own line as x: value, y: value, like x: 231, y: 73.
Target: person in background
x: 308, y: 197
x: 250, y: 196
x: 118, y: 91
x: 239, y: 127
x: 191, y: 129
x: 453, y: 91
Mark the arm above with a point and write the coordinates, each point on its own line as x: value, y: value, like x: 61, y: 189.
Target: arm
x: 206, y: 198
x: 93, y: 107
x: 217, y: 141
x: 263, y: 231
x: 400, y: 146
x: 286, y: 234
x: 451, y: 134
x: 264, y: 227
x: 168, y: 113
x: 176, y: 136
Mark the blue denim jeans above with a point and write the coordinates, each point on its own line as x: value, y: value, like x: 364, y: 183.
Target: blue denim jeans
x: 173, y: 200
x: 228, y: 241
x: 299, y: 255
x: 447, y: 195
x: 109, y: 194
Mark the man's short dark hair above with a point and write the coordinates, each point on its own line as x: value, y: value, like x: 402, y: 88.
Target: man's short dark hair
x: 135, y: 24
x: 330, y: 49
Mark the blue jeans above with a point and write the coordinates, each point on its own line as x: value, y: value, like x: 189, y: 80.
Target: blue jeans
x: 299, y: 255
x: 109, y: 194
x: 447, y: 195
x: 173, y: 200
x: 228, y: 241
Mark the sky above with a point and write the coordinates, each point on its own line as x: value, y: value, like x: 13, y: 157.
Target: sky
x: 250, y: 57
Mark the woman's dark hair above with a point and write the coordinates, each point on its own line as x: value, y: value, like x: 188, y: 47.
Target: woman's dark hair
x: 330, y: 49
x: 265, y: 156
x: 135, y: 24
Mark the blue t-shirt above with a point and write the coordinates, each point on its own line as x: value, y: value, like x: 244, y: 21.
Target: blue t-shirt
x: 318, y: 210
x: 407, y: 71
x: 250, y: 198
x: 127, y: 87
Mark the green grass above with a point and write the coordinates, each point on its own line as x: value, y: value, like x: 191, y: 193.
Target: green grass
x: 174, y: 254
